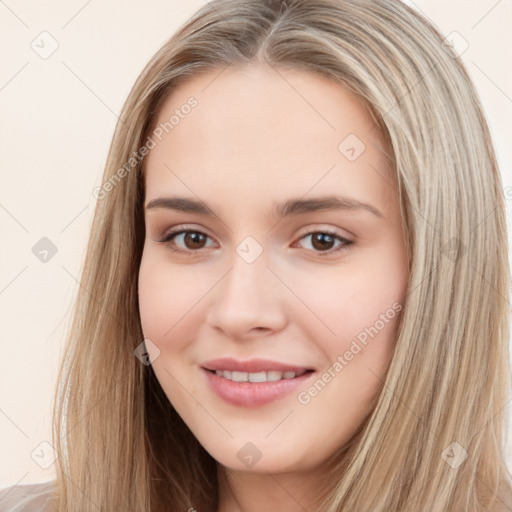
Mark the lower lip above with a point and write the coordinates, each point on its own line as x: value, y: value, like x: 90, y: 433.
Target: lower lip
x: 253, y: 394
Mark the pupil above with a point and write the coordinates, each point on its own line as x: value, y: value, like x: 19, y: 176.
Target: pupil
x: 323, y: 239
x: 195, y: 238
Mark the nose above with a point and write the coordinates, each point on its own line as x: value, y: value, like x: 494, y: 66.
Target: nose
x: 249, y: 300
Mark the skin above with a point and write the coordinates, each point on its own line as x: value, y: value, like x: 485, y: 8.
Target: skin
x: 257, y: 136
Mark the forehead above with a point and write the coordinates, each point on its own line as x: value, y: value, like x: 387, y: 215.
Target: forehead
x: 257, y: 130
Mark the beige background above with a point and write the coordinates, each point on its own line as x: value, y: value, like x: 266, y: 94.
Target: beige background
x: 58, y: 115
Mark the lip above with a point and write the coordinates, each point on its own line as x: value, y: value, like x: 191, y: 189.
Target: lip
x: 252, y: 394
x: 252, y: 365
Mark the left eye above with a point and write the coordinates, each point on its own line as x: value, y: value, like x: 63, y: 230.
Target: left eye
x: 321, y: 241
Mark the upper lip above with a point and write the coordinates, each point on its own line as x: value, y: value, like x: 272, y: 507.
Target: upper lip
x: 252, y: 365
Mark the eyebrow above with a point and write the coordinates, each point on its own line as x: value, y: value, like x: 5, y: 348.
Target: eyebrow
x: 284, y: 209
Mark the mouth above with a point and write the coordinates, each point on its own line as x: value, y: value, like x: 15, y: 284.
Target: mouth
x: 263, y: 376
x: 255, y: 382
x: 252, y: 366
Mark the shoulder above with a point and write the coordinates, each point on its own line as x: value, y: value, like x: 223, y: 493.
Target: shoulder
x: 28, y: 498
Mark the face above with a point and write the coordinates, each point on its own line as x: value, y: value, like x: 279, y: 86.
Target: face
x: 274, y: 265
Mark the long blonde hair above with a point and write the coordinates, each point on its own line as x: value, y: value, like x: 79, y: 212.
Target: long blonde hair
x: 435, y: 439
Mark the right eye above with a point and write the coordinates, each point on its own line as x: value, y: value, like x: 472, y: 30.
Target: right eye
x: 191, y: 240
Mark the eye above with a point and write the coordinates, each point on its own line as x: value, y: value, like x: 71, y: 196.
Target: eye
x: 188, y: 241
x: 191, y: 239
x: 322, y: 242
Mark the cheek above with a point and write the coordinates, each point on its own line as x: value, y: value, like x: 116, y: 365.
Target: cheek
x: 166, y: 299
x: 359, y: 307
x: 353, y: 299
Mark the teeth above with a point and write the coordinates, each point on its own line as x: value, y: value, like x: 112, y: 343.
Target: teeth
x: 258, y: 377
x: 274, y: 375
x: 270, y: 376
x: 240, y: 376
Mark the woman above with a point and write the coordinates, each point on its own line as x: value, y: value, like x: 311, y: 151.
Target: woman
x: 224, y: 355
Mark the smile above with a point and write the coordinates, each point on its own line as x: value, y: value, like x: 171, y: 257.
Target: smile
x: 253, y: 383
x: 264, y: 376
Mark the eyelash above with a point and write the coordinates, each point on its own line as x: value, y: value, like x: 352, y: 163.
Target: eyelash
x: 168, y: 238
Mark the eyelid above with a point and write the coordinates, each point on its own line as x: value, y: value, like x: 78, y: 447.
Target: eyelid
x: 306, y: 231
x: 183, y: 227
x: 323, y: 228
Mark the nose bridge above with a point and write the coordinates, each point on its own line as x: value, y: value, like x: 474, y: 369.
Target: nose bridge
x: 245, y: 282
x: 246, y: 297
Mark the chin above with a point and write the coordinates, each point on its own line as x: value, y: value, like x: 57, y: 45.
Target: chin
x: 263, y: 457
